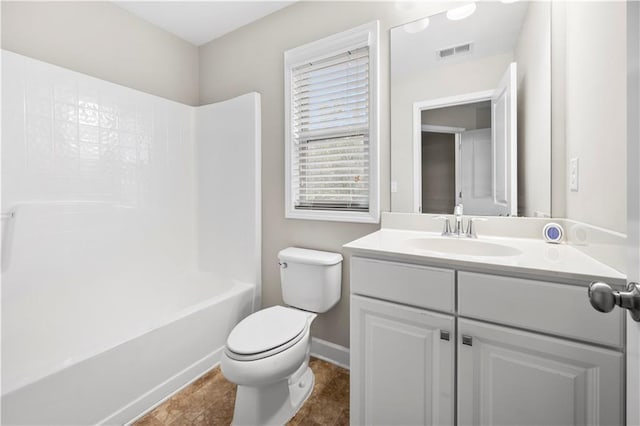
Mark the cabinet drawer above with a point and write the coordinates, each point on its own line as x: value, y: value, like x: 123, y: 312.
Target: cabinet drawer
x: 547, y: 307
x: 415, y: 285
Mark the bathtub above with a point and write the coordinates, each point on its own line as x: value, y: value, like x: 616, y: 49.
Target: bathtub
x: 102, y: 220
x: 109, y: 362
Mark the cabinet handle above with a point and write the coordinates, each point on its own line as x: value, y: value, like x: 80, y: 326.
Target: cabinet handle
x: 467, y: 340
x: 444, y: 335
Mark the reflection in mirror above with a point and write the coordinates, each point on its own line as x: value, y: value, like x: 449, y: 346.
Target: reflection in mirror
x: 456, y: 152
x: 484, y: 140
x: 470, y: 112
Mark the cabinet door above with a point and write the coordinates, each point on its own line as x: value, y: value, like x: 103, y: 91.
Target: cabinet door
x: 401, y: 365
x: 512, y: 377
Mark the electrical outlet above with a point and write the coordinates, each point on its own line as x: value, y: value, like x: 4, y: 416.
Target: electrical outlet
x: 574, y: 174
x: 394, y: 186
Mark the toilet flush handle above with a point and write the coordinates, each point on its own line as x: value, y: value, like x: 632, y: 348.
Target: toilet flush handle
x: 283, y: 265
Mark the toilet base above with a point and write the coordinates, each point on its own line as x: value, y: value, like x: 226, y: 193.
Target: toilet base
x: 273, y: 404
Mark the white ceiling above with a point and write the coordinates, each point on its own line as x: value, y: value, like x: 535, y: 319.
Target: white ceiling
x: 199, y: 22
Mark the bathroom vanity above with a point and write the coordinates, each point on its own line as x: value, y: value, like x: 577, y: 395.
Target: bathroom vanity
x: 439, y: 337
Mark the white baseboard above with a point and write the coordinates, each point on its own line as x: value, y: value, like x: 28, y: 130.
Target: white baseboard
x: 330, y: 352
x: 156, y: 396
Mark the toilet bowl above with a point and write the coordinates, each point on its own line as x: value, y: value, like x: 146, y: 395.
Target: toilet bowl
x: 267, y: 353
x: 274, y: 381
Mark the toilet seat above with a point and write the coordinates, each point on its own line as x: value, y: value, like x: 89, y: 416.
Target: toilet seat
x: 267, y: 332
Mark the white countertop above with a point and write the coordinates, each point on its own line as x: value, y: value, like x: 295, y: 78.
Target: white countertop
x: 538, y: 259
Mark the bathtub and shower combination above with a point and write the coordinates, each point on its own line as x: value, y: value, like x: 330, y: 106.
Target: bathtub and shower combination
x: 130, y: 242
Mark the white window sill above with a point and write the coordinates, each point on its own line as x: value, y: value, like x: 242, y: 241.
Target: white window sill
x: 334, y: 216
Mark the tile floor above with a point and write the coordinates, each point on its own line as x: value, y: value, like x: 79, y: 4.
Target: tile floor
x: 210, y: 399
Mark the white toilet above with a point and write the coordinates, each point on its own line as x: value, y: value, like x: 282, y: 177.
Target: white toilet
x: 267, y: 353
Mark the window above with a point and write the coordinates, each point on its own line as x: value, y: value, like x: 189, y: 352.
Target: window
x: 331, y: 118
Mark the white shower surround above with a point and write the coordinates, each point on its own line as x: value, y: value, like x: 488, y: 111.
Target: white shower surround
x: 136, y: 232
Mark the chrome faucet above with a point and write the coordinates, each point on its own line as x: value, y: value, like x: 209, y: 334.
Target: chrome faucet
x: 471, y: 230
x: 446, y: 231
x: 458, y: 228
x: 457, y: 213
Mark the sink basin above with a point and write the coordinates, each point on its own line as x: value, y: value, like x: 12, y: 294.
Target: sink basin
x: 460, y: 246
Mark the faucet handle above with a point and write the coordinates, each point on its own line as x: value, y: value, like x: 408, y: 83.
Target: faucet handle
x: 471, y: 232
x: 447, y: 224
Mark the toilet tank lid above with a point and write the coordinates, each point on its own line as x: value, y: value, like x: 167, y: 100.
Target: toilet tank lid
x: 309, y: 257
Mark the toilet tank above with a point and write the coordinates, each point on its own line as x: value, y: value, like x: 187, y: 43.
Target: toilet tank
x: 310, y: 279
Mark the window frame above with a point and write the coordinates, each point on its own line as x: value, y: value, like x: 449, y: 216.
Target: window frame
x: 361, y: 36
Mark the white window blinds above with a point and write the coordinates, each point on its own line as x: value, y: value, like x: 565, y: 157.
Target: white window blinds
x: 330, y: 133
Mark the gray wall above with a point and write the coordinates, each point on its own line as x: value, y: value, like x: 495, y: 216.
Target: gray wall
x: 105, y: 41
x: 596, y: 112
x: 589, y: 111
x: 251, y: 58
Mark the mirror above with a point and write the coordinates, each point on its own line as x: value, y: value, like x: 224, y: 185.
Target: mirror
x: 471, y: 111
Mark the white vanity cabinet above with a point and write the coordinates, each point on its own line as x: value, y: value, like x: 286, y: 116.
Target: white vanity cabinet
x: 405, y: 363
x: 402, y: 357
x: 522, y: 351
x: 513, y: 377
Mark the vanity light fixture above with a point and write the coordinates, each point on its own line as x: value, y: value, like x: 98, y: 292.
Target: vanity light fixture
x: 416, y: 26
x: 461, y: 12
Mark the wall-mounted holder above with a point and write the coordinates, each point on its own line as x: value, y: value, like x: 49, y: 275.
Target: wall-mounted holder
x: 603, y: 298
